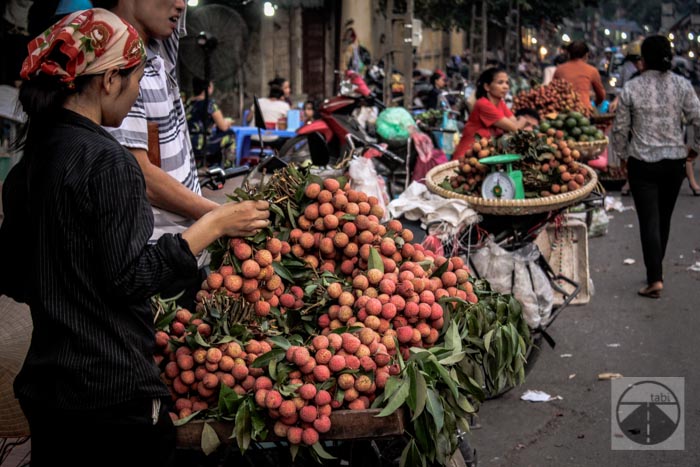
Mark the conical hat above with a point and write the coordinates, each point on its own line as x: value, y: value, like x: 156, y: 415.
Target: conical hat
x: 15, y: 334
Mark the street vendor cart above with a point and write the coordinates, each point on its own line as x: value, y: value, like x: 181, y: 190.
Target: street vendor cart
x: 358, y: 438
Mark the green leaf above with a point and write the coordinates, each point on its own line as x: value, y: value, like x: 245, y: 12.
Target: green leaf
x: 263, y: 360
x: 452, y: 359
x: 435, y: 409
x: 396, y: 401
x: 464, y: 404
x: 310, y: 289
x: 277, y: 210
x: 487, y: 340
x: 392, y: 384
x: 183, y: 421
x: 293, y: 450
x: 242, y: 426
x: 411, y: 456
x: 200, y: 340
x: 281, y: 342
x: 292, y: 217
x: 441, y: 270
x: 318, y: 449
x: 210, y: 440
x: 452, y: 338
x: 375, y: 260
x: 228, y: 399
x: 421, y: 389
x: 282, y: 271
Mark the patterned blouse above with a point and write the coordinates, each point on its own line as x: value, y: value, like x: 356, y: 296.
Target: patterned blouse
x: 649, y: 120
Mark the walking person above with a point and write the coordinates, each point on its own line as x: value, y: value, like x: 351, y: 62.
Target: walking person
x: 74, y: 243
x: 648, y: 135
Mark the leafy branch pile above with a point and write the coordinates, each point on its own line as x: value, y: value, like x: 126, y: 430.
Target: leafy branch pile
x: 329, y: 309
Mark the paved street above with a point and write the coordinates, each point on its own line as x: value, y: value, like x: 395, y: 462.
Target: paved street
x: 655, y: 337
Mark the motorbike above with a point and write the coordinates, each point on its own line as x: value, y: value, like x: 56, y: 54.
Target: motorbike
x: 338, y: 118
x: 337, y: 132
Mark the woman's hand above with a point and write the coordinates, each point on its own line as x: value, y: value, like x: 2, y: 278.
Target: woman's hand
x: 233, y: 219
x: 245, y: 218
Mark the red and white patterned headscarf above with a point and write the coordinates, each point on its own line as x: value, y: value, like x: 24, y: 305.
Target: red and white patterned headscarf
x: 92, y: 41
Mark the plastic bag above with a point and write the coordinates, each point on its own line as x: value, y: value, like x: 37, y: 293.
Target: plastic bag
x: 532, y: 287
x: 495, y: 264
x: 524, y: 293
x: 428, y: 156
x: 394, y: 124
x: 599, y: 223
x: 517, y: 273
x: 364, y: 177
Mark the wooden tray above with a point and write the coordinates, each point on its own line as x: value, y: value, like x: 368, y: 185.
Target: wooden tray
x: 345, y: 425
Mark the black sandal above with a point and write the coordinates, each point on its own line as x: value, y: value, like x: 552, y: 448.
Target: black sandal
x: 648, y: 292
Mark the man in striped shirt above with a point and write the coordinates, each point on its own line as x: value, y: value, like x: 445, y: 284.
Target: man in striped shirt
x: 172, y: 188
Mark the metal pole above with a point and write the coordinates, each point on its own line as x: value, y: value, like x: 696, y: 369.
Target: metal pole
x: 484, y: 33
x: 408, y: 55
x: 389, y: 57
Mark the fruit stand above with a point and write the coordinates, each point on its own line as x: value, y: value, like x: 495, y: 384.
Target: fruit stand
x: 333, y: 327
x: 518, y: 196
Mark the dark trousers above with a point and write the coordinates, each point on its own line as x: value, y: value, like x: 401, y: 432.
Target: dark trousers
x: 122, y: 435
x: 655, y: 188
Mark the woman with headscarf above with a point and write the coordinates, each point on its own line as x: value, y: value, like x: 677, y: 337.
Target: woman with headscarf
x: 648, y: 135
x: 75, y: 249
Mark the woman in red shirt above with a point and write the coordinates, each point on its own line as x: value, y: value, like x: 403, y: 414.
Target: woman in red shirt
x: 490, y: 116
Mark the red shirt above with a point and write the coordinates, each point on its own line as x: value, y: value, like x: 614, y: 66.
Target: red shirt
x: 480, y: 122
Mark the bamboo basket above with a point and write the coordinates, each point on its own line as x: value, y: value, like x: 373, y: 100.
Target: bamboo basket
x: 508, y: 207
x: 589, y: 149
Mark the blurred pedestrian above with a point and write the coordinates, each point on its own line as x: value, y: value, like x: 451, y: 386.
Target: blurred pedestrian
x: 436, y: 98
x: 581, y: 75
x: 648, y: 134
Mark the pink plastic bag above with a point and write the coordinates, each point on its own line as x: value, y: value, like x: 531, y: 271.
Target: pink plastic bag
x: 428, y: 156
x: 600, y: 162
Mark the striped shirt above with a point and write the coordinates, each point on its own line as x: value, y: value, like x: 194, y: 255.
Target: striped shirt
x: 87, y: 269
x: 159, y: 101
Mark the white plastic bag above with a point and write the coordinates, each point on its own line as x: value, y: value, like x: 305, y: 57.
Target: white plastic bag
x: 364, y: 177
x: 494, y: 264
x: 532, y: 287
x: 524, y: 293
x: 517, y: 273
x: 599, y: 223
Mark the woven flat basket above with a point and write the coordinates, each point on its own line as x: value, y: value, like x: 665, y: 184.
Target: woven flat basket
x: 590, y: 149
x: 508, y: 207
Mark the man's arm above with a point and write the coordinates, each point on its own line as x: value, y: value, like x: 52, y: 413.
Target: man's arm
x: 598, y: 87
x: 165, y: 192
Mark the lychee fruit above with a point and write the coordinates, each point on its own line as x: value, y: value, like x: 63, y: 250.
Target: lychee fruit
x: 322, y: 424
x: 308, y: 413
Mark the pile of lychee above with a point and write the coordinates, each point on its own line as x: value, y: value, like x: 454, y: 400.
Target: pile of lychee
x: 557, y: 96
x: 559, y: 173
x: 382, y: 300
